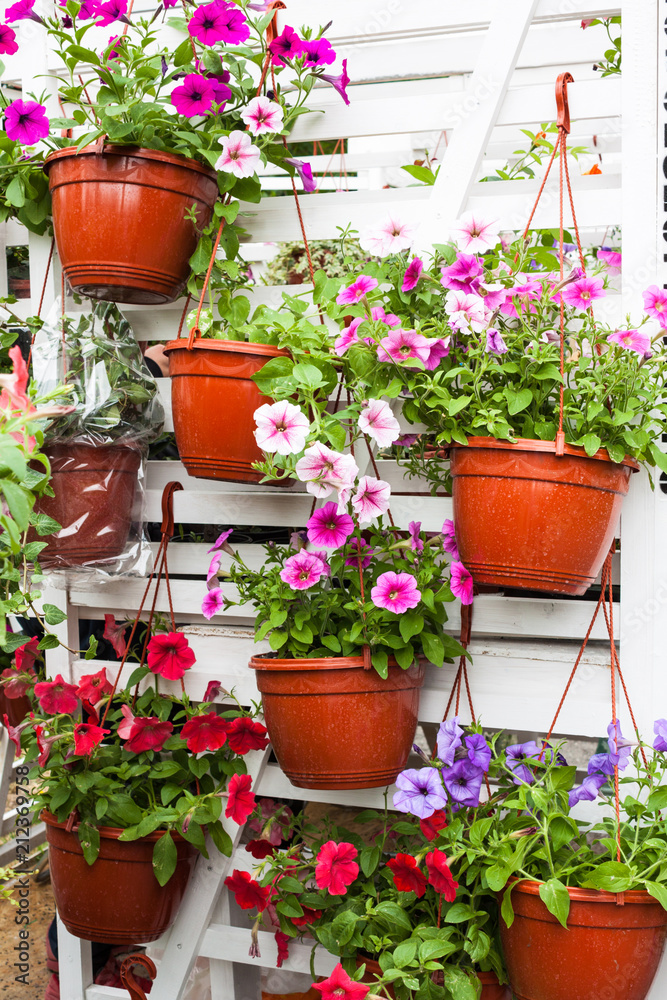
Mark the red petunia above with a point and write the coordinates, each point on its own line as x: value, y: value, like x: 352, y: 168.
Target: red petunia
x: 148, y: 734
x: 114, y: 632
x: 430, y: 827
x: 87, y: 737
x: 125, y: 727
x: 93, y: 687
x: 249, y: 893
x: 241, y: 801
x: 14, y: 733
x: 244, y: 735
x: 406, y: 874
x: 213, y: 689
x: 25, y: 656
x: 440, y: 876
x: 56, y: 697
x: 339, y: 986
x: 336, y: 867
x: 282, y: 940
x: 260, y: 848
x: 170, y: 655
x: 15, y: 682
x: 205, y: 732
x: 309, y: 917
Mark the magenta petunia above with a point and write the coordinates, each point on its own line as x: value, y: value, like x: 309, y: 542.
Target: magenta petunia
x: 329, y: 528
x: 378, y: 313
x: 317, y: 52
x: 348, y: 336
x: 437, y: 350
x: 379, y: 423
x: 302, y: 571
x: 26, y: 122
x: 22, y: 11
x: 582, y: 293
x: 612, y: 258
x: 412, y: 274
x: 359, y: 548
x: 194, y: 97
x: 339, y: 83
x: 655, y: 304
x: 461, y: 276
x: 357, y: 290
x: 112, y: 10
x: 305, y: 172
x: 322, y: 556
x: 219, y: 22
x: 285, y: 46
x: 396, y: 592
x: 8, y: 43
x: 213, y: 602
x: 263, y: 115
x: 632, y: 340
x: 449, y: 538
x: 221, y: 541
x: 281, y: 428
x: 371, y: 498
x: 404, y: 345
x: 461, y: 583
x: 416, y: 543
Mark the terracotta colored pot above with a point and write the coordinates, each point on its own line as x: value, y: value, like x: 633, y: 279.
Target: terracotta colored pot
x: 213, y: 401
x: 117, y: 899
x: 608, y: 952
x: 94, y: 490
x: 119, y: 218
x: 528, y: 519
x: 333, y: 724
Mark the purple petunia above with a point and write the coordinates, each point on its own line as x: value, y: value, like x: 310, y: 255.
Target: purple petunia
x: 463, y: 781
x: 449, y: 740
x: 514, y: 758
x: 339, y: 83
x: 588, y: 790
x: 416, y: 544
x: 601, y: 763
x: 660, y: 730
x: 420, y: 792
x: 479, y: 751
x: 619, y: 747
x: 305, y: 172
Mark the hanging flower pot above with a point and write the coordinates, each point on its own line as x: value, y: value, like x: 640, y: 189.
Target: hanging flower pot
x: 213, y: 402
x: 611, y: 948
x: 94, y: 487
x: 117, y: 899
x: 120, y: 218
x: 529, y: 519
x: 333, y: 724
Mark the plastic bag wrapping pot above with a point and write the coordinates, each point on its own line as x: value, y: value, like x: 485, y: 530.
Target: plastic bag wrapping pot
x: 119, y: 218
x: 117, y: 899
x: 608, y: 952
x: 213, y: 401
x: 333, y: 724
x: 529, y: 519
x: 94, y: 487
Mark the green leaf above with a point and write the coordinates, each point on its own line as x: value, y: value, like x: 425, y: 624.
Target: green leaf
x: 422, y: 174
x: 517, y: 401
x: 247, y: 189
x: 556, y: 898
x: 404, y: 953
x: 428, y: 950
x: 658, y: 891
x: 89, y: 838
x: 459, y: 984
x: 457, y: 404
x: 137, y: 675
x: 48, y: 641
x: 19, y: 502
x: 221, y: 838
x: 592, y: 443
x: 368, y: 859
x: 497, y: 876
x: 308, y: 375
x: 15, y: 193
x: 410, y: 623
x: 610, y: 876
x: 164, y: 858
x: 659, y: 457
x: 331, y: 642
x: 45, y: 525
x: 433, y: 647
x: 53, y: 615
x: 458, y: 913
x: 507, y: 910
x: 657, y: 800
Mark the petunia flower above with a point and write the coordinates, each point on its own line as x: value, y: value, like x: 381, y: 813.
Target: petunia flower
x: 241, y: 800
x: 463, y: 781
x: 87, y: 737
x: 392, y: 237
x: 348, y: 336
x: 339, y: 83
x: 461, y: 583
x: 377, y: 420
x: 14, y: 733
x: 213, y: 601
x: 449, y: 538
x: 112, y: 10
x: 22, y: 11
x: 438, y: 348
x: 582, y: 293
x: 465, y: 312
x: 404, y: 345
x: 416, y: 543
x: 588, y: 790
x: 522, y: 296
x: 339, y: 986
x: 148, y: 734
x: 329, y: 528
x: 324, y: 470
x: 305, y: 172
x: 44, y: 745
x: 516, y: 755
x: 114, y: 632
x: 494, y: 342
x: 660, y: 730
x: 406, y: 874
x: 239, y: 156
x: 260, y: 849
x: 194, y: 97
x: 16, y: 683
x: 124, y: 728
x: 432, y: 825
x: 317, y: 52
x: 612, y: 258
x: 396, y: 592
x: 420, y: 792
x: 449, y: 740
x: 204, y: 732
x: 282, y: 944
x: 249, y: 894
x: 214, y: 566
x: 360, y: 287
x: 26, y: 122
x: 440, y: 876
x: 213, y: 689
x: 475, y: 234
x: 244, y: 735
x: 220, y: 540
x: 219, y: 22
x: 358, y: 547
x: 309, y: 917
x: 302, y: 571
x: 25, y: 655
x: 263, y: 115
x: 371, y: 498
x: 619, y: 747
x: 285, y: 46
x: 56, y: 697
x: 602, y: 763
x: 632, y: 340
x: 462, y: 275
x: 479, y: 751
x: 655, y: 304
x: 281, y: 428
x: 378, y: 313
x: 170, y: 655
x: 335, y: 867
x: 93, y: 687
x: 412, y: 274
x: 8, y: 43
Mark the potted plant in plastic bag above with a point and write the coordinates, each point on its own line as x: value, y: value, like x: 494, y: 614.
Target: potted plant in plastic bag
x: 96, y: 452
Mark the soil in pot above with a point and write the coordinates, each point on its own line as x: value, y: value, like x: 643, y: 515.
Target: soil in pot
x: 213, y: 402
x: 119, y: 218
x: 333, y: 724
x: 94, y: 489
x: 526, y: 518
x: 608, y: 952
x: 116, y: 900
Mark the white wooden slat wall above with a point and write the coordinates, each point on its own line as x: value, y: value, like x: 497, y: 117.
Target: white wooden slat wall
x: 411, y: 68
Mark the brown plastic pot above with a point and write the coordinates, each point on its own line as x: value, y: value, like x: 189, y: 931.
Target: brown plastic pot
x: 529, y: 519
x: 610, y: 950
x: 94, y: 487
x: 213, y: 401
x: 119, y: 218
x: 333, y: 724
x: 117, y: 899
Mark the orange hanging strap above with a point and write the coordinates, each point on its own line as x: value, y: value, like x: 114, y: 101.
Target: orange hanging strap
x: 127, y: 974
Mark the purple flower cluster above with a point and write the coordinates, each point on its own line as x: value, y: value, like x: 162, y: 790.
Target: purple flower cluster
x: 601, y: 765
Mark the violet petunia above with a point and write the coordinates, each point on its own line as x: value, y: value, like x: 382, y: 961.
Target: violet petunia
x: 339, y: 83
x: 449, y: 740
x: 396, y: 592
x: 463, y: 781
x: 26, y: 122
x: 660, y: 730
x: 619, y: 747
x: 494, y: 342
x: 420, y: 792
x: 601, y: 763
x: 479, y: 751
x: 329, y: 528
x: 588, y: 790
x: 516, y: 755
x: 412, y: 274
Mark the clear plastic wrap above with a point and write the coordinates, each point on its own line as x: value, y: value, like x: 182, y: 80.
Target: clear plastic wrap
x: 98, y: 452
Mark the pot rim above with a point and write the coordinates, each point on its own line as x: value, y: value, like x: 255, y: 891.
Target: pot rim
x: 316, y: 663
x: 548, y: 447
x: 230, y: 346
x: 142, y: 152
x: 636, y: 896
x: 108, y: 832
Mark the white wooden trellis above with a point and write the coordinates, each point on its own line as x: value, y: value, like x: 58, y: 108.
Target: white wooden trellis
x: 501, y: 62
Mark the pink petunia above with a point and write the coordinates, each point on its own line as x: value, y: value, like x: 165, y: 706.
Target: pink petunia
x: 170, y: 655
x: 582, y: 293
x: 377, y: 420
x: 655, y: 304
x: 26, y: 122
x: 438, y: 349
x: 461, y: 583
x: 329, y: 528
x: 612, y: 258
x: 281, y: 428
x: 356, y: 291
x: 56, y: 697
x: 412, y: 274
x: 632, y: 340
x: 302, y: 571
x: 495, y: 343
x: 238, y: 156
x: 125, y: 727
x: 322, y: 556
x: 305, y: 172
x: 335, y: 867
x: 214, y: 566
x: 393, y: 236
x: 404, y: 345
x: 317, y: 52
x: 219, y: 22
x: 416, y: 542
x: 194, y: 97
x: 378, y: 313
x: 475, y: 234
x: 324, y: 470
x: 461, y: 276
x: 449, y: 538
x: 371, y: 498
x: 396, y: 592
x: 285, y: 46
x: 466, y: 312
x: 339, y: 83
x: 358, y: 548
x: 348, y: 336
x: 8, y: 43
x: 523, y: 294
x: 213, y: 602
x: 220, y: 541
x: 263, y: 115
